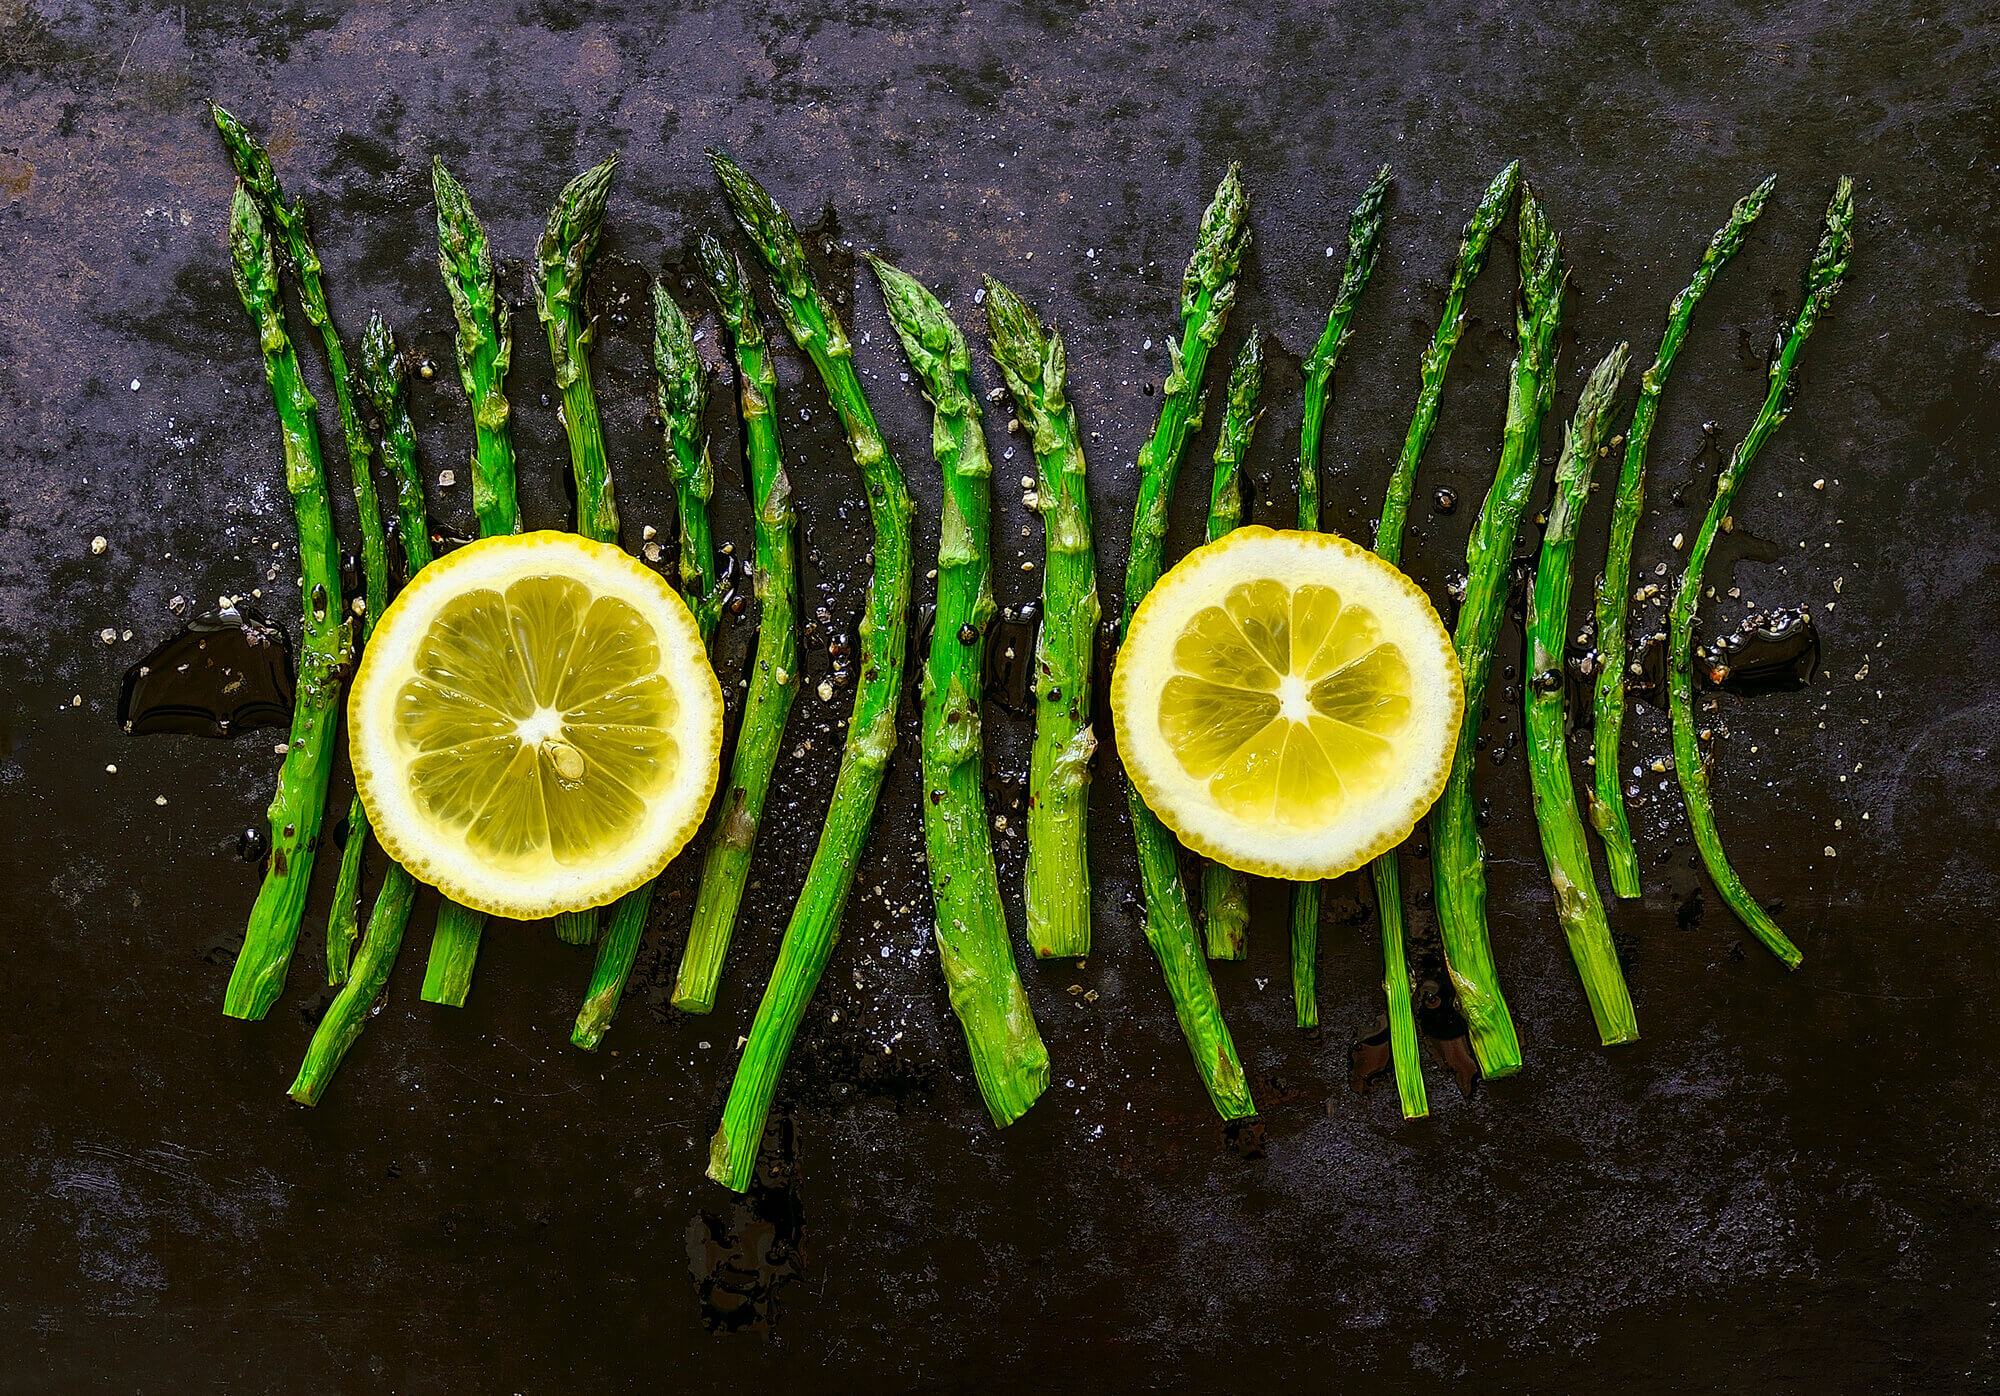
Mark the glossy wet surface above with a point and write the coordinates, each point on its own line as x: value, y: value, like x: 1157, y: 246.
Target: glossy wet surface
x: 1788, y: 1184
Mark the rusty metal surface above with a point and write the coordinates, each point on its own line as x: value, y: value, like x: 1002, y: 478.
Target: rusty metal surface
x: 1788, y: 1184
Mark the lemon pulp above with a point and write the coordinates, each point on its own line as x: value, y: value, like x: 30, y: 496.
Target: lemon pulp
x: 1286, y: 702
x: 534, y: 725
x: 537, y: 724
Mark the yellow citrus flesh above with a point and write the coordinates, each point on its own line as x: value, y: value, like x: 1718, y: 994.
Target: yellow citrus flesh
x: 534, y: 726
x: 1287, y: 703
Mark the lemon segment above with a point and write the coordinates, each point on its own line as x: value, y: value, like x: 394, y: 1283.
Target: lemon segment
x: 534, y: 725
x: 1287, y: 703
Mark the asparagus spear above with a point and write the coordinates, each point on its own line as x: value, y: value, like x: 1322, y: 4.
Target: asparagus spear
x: 382, y: 379
x: 773, y: 678
x: 1225, y: 897
x: 1578, y: 907
x: 1457, y: 855
x: 563, y: 255
x: 484, y: 350
x: 1822, y: 279
x: 1364, y: 244
x: 253, y: 167
x: 1056, y: 884
x: 871, y: 730
x: 1607, y: 800
x: 1208, y: 289
x: 384, y: 376
x: 1364, y: 239
x: 1008, y: 1058
x: 1387, y: 877
x: 300, y: 802
x: 683, y: 399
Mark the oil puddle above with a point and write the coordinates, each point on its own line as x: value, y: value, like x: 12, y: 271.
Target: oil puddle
x: 1370, y: 1060
x: 1775, y: 653
x: 1010, y: 657
x: 1704, y: 465
x: 227, y: 672
x: 1245, y: 1139
x: 1766, y: 654
x: 742, y: 1260
x: 1440, y: 1025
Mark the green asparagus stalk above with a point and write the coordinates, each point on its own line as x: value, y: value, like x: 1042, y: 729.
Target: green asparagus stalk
x: 773, y: 679
x: 1008, y: 1059
x: 1472, y: 250
x: 348, y: 1014
x: 484, y: 350
x: 382, y: 379
x: 300, y: 802
x: 871, y: 730
x: 1208, y: 289
x: 1056, y: 884
x: 1364, y: 246
x: 454, y: 954
x: 1822, y: 279
x: 1579, y: 909
x: 1364, y: 240
x: 1384, y: 872
x: 1225, y: 896
x: 563, y: 255
x: 1614, y: 588
x: 384, y: 376
x: 253, y: 167
x: 683, y: 400
x: 1457, y: 854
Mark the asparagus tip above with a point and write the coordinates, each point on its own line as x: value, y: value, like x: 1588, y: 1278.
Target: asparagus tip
x: 936, y: 347
x: 769, y: 228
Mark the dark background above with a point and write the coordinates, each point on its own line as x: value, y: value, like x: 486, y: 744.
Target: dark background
x: 1789, y: 1184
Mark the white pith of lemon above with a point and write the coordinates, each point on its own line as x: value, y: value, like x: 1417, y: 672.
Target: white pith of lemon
x: 1287, y: 703
x: 534, y: 725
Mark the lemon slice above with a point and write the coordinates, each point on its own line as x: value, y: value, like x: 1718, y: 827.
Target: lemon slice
x: 534, y: 726
x: 1287, y: 703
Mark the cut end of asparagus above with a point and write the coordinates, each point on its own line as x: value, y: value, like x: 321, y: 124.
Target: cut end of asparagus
x: 769, y: 228
x: 932, y: 341
x: 723, y: 1166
